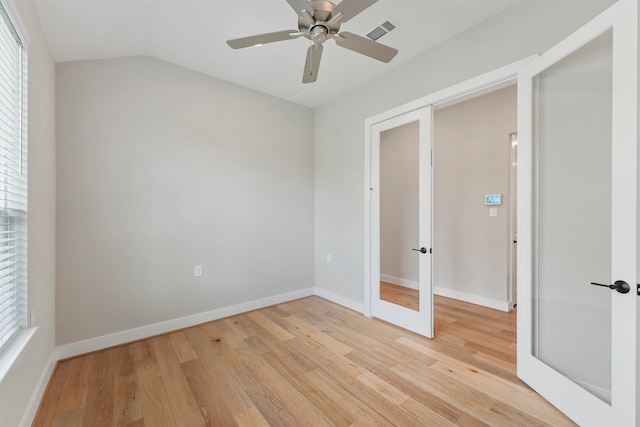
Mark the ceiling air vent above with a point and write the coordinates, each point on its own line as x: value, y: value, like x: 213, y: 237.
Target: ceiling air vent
x: 381, y: 30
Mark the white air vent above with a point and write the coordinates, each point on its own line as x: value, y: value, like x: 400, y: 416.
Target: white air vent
x: 381, y: 30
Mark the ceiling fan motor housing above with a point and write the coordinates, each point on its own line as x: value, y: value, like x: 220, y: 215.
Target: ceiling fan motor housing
x: 319, y: 30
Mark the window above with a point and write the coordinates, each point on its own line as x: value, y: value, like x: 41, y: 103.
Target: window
x: 13, y: 181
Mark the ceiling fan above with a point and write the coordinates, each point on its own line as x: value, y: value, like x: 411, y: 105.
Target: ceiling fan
x: 319, y: 20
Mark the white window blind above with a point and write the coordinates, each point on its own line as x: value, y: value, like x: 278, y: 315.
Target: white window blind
x: 13, y: 181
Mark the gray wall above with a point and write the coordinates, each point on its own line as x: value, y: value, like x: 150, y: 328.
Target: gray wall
x: 160, y: 169
x: 18, y: 386
x: 339, y: 150
x: 471, y: 158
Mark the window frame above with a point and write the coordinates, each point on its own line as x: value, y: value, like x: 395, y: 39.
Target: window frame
x: 11, y: 350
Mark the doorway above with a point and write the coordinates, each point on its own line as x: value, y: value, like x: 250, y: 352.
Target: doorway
x: 474, y: 149
x: 472, y: 198
x: 374, y: 128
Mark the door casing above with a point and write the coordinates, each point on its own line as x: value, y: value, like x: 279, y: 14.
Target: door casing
x: 485, y: 83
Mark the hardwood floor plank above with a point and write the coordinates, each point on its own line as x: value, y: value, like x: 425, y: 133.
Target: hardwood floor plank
x: 525, y: 400
x: 348, y: 400
x: 272, y: 327
x: 305, y: 362
x: 207, y: 394
x: 181, y: 347
x: 270, y: 406
x: 319, y: 336
x: 156, y: 405
x: 327, y: 358
x: 50, y: 401
x: 226, y: 388
x: 393, y: 414
x: 99, y: 406
x: 470, y: 401
x: 145, y: 361
x: 291, y: 398
x: 295, y: 375
x: 69, y: 419
x: 383, y: 388
x: 127, y: 405
x: 251, y: 418
x: 75, y: 387
x: 380, y: 367
x: 426, y: 414
x: 127, y: 402
x: 182, y: 400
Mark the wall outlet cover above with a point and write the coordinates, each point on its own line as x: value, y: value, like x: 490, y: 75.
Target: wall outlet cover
x: 197, y: 271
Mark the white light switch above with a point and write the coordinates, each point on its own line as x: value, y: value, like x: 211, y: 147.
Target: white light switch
x: 197, y: 271
x: 328, y: 258
x: 493, y: 211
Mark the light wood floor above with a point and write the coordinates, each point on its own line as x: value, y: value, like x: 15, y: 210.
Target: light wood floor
x: 307, y: 362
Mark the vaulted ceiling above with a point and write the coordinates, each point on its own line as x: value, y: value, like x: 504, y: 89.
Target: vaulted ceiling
x: 193, y: 34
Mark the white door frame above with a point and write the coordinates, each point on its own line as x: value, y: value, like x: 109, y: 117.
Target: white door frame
x: 485, y: 83
x: 419, y: 321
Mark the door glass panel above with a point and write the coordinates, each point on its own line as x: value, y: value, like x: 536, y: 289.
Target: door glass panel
x: 399, y: 215
x: 572, y: 216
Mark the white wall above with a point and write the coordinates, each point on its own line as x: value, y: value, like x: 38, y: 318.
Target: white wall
x: 399, y: 170
x: 17, y: 389
x: 160, y: 169
x: 472, y: 158
x: 529, y: 27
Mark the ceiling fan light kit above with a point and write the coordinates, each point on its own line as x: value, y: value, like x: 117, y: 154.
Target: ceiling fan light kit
x: 318, y: 21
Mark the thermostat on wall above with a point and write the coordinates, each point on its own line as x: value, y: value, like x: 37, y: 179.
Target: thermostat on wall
x: 493, y: 199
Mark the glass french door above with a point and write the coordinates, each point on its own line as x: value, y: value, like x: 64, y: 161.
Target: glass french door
x: 577, y: 221
x: 401, y: 221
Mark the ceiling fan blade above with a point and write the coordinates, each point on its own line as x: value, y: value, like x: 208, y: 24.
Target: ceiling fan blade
x: 351, y: 8
x: 365, y: 46
x: 302, y: 6
x: 263, y: 39
x: 312, y: 64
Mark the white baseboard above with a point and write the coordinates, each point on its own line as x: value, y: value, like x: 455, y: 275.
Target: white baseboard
x: 340, y: 300
x: 117, y: 338
x: 36, y: 397
x: 399, y: 281
x: 474, y: 299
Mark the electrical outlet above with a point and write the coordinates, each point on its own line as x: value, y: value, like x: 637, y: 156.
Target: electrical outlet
x: 328, y: 258
x: 197, y: 271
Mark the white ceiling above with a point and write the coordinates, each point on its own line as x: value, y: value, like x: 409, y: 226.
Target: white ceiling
x: 192, y: 34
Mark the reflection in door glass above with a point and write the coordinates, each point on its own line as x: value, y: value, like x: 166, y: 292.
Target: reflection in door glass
x: 399, y: 215
x: 572, y: 216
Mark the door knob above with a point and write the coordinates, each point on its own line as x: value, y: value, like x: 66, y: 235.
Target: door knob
x: 423, y: 250
x: 619, y: 285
